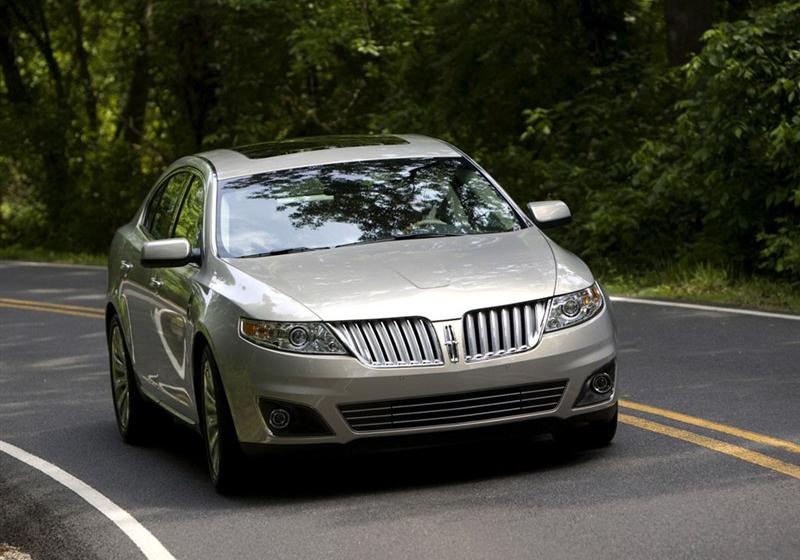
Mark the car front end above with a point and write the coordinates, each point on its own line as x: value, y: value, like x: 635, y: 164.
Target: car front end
x: 297, y: 381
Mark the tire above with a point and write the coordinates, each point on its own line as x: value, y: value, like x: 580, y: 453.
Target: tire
x: 134, y: 415
x: 223, y: 452
x: 595, y: 435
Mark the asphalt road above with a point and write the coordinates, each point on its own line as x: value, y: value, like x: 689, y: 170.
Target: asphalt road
x: 652, y: 494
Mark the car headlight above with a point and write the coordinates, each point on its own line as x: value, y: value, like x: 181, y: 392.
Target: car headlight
x: 574, y: 308
x: 310, y: 338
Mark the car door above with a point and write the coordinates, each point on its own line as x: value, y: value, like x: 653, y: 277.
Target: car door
x: 176, y: 287
x: 141, y: 287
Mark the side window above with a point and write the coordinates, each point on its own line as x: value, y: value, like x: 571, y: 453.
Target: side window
x: 153, y: 206
x: 159, y: 222
x: 190, y: 219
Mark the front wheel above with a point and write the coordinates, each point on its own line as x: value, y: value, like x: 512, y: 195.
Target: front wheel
x: 223, y: 454
x: 594, y: 435
x: 134, y: 415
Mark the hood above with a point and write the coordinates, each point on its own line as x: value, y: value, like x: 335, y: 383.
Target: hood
x: 438, y: 278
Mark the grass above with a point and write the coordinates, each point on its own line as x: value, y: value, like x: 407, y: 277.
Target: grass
x: 703, y: 283
x: 709, y: 284
x: 17, y: 253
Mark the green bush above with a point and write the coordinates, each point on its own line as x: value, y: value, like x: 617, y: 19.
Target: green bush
x: 685, y: 166
x: 700, y: 164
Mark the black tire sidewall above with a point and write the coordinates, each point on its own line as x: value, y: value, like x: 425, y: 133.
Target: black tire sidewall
x: 136, y: 428
x: 592, y: 436
x: 230, y: 458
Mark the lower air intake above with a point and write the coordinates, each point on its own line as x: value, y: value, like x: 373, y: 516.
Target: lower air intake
x: 453, y: 408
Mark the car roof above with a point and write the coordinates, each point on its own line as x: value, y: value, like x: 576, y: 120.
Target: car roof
x: 322, y: 150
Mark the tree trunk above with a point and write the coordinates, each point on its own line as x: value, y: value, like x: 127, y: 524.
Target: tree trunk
x: 131, y: 123
x: 686, y: 21
x: 82, y: 58
x: 197, y: 80
x: 42, y: 41
x: 45, y: 130
x: 18, y: 94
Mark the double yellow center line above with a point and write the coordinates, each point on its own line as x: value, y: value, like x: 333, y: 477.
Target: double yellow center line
x: 720, y: 446
x: 77, y: 310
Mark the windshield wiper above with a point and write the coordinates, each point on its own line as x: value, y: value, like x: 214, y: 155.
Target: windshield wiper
x: 390, y: 238
x: 397, y: 238
x: 425, y: 235
x: 283, y: 252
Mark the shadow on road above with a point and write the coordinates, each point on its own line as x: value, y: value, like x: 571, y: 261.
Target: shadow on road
x: 308, y: 474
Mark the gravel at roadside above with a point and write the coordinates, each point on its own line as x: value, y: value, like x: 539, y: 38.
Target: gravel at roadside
x: 8, y: 552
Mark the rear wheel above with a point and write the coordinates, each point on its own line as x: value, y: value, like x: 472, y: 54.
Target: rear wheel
x: 594, y: 435
x: 133, y: 413
x: 223, y: 454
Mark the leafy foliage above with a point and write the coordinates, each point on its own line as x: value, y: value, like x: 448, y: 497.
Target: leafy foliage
x: 572, y: 99
x: 697, y: 164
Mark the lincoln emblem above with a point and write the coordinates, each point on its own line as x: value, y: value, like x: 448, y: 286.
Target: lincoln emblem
x: 451, y: 343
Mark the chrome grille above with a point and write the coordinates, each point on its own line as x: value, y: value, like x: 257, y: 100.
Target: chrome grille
x: 500, y: 331
x: 391, y: 342
x: 454, y: 408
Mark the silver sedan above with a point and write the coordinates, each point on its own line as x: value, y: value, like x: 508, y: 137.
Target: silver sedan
x: 352, y: 290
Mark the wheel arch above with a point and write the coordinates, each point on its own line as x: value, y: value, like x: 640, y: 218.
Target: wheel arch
x: 111, y: 312
x: 199, y: 343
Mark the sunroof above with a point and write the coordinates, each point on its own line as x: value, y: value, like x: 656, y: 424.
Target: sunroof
x: 311, y: 143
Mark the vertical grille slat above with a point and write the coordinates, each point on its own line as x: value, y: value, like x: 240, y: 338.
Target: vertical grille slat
x: 437, y: 350
x: 517, y: 319
x: 355, y: 338
x: 472, y: 340
x: 411, y: 340
x: 362, y: 340
x: 494, y: 331
x: 388, y: 347
x: 398, y: 342
x: 499, y: 331
x: 529, y: 324
x: 505, y: 322
x: 483, y: 333
x: 540, y: 309
x: 374, y: 345
x: 427, y: 348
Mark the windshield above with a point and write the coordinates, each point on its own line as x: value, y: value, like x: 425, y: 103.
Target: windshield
x: 365, y: 201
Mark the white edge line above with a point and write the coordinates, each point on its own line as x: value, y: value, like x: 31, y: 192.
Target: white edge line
x: 706, y: 308
x: 141, y: 537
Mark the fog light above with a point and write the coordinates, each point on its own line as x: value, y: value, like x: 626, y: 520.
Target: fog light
x: 279, y: 418
x: 286, y: 419
x: 598, y: 387
x: 602, y: 383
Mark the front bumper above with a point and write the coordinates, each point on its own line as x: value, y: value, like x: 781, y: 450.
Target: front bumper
x: 323, y: 383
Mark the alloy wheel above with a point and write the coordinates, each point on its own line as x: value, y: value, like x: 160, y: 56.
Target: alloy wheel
x: 119, y: 376
x: 211, y: 418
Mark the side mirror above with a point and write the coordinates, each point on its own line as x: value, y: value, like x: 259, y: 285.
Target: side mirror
x: 549, y: 213
x: 166, y: 253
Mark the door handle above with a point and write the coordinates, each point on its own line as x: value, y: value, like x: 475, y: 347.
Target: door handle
x: 125, y: 267
x: 155, y: 283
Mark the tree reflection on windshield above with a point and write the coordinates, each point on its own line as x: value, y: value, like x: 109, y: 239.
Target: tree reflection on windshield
x: 357, y: 202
